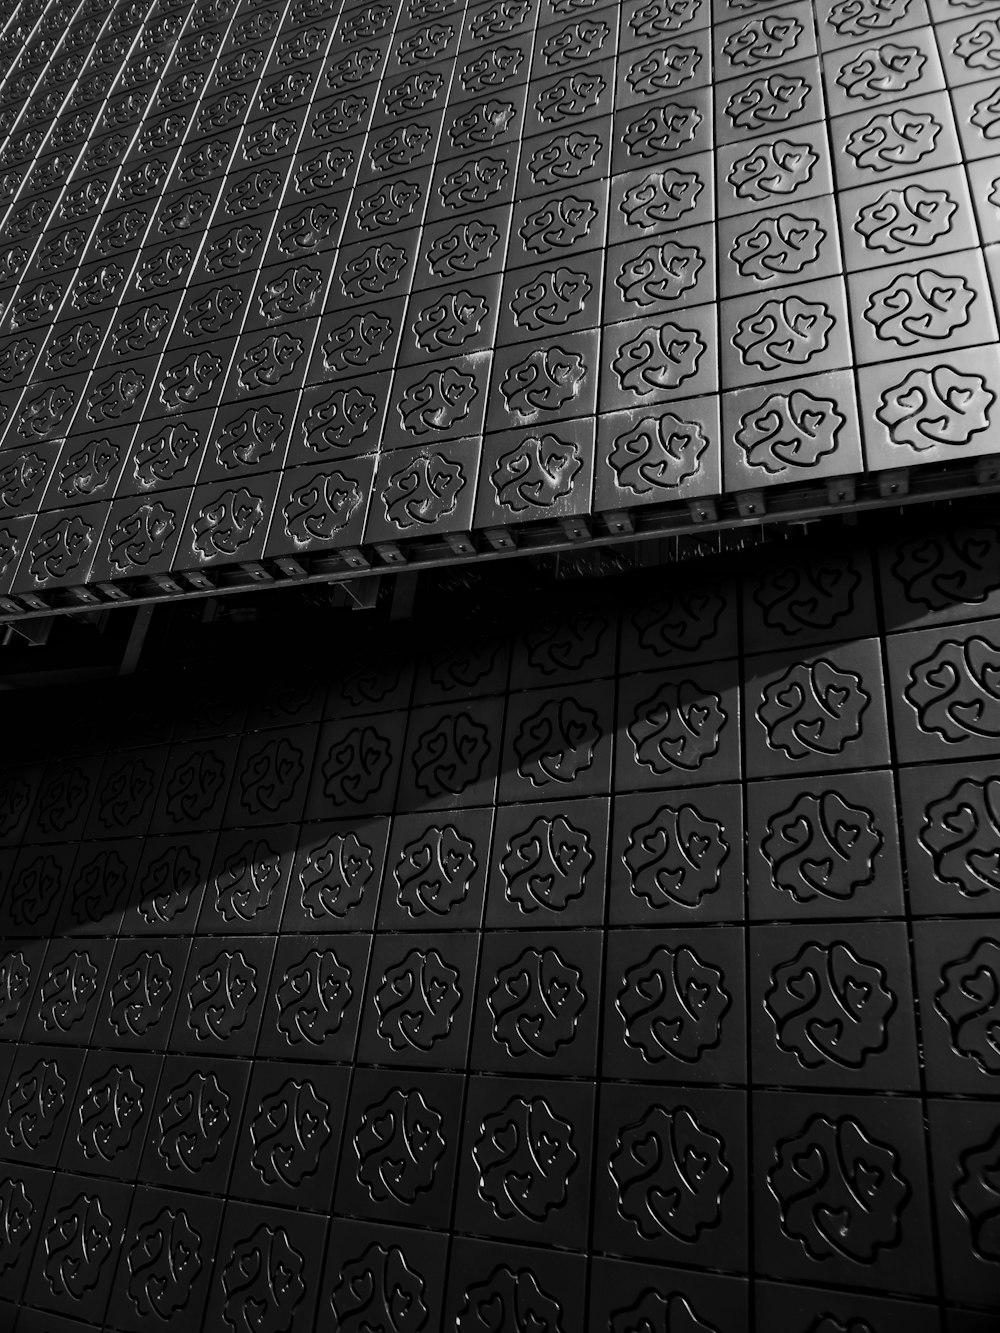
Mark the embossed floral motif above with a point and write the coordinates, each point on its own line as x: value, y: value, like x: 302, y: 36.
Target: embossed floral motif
x: 968, y: 999
x: 248, y: 877
x: 962, y: 833
x: 569, y: 97
x: 76, y: 1247
x: 194, y: 786
x: 423, y: 491
x: 939, y: 406
x: 930, y: 567
x: 65, y: 351
x: 679, y: 726
x: 822, y: 847
x: 417, y: 1001
x: 473, y: 182
x: 449, y: 321
x: 858, y: 18
x: 662, y: 69
x: 227, y: 523
x: 986, y: 115
x: 892, y: 139
x: 437, y: 402
x: 767, y: 101
x: 372, y: 271
x: 789, y: 430
x: 288, y: 1134
x: 671, y: 1173
x: 658, y: 454
x: 515, y: 1300
x: 525, y: 1157
x: 463, y: 249
x: 556, y: 743
x: 321, y: 506
x: 269, y: 361
x: 21, y: 479
x: 212, y: 312
x: 661, y: 272
x: 34, y: 1105
x: 546, y: 865
x: 139, y: 995
x: 42, y: 415
x: 955, y: 692
x: 263, y: 1281
x: 559, y: 224
x: 493, y: 68
x: 221, y: 996
x: 356, y: 765
x: 814, y: 708
x: 978, y: 1198
x: 15, y: 980
x: 762, y: 39
x: 187, y: 381
x: 249, y: 438
x: 880, y: 70
x: 839, y: 1192
x: 675, y: 858
x: 112, y: 398
x: 920, y: 305
x: 312, y: 998
x: 544, y: 381
x: 575, y: 43
x: 830, y: 1006
x: 904, y: 216
x: 658, y: 358
x: 141, y: 330
x: 398, y: 1147
x: 785, y: 331
x: 412, y: 94
x: 772, y: 170
x: 387, y: 206
x: 450, y: 755
x: 536, y: 1002
x: 564, y: 157
x: 434, y: 872
x: 979, y: 47
x: 672, y: 1313
x: 109, y: 1113
x: 360, y: 339
x: 400, y: 148
x: 537, y: 473
x: 552, y: 297
x: 87, y: 469
x: 777, y: 245
x: 334, y: 875
x: 672, y: 1005
x: 378, y: 1290
x: 33, y: 891
x: 340, y: 420
x: 65, y: 994
x: 163, y: 1263
x: 16, y: 1213
x: 293, y: 292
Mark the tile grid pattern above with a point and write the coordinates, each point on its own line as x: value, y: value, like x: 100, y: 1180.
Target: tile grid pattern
x: 460, y: 979
x: 310, y: 281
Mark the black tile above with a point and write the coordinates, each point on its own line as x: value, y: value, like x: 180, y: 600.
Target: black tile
x: 195, y: 1123
x: 378, y: 1272
x: 315, y: 997
x: 114, y: 1099
x: 622, y: 1292
x: 142, y: 993
x: 337, y: 875
x: 222, y: 995
x: 268, y: 1269
x: 400, y: 1152
x: 489, y: 1278
x: 436, y: 871
x: 557, y: 743
x: 249, y: 879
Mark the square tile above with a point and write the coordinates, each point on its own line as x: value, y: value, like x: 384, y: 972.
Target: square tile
x: 143, y: 988
x: 537, y: 1011
x: 675, y: 857
x: 678, y: 727
x: 804, y: 1164
x: 222, y: 995
x: 508, y: 1278
x: 254, y: 1239
x: 169, y: 884
x: 825, y: 846
x: 548, y: 865
x: 360, y: 1258
x: 436, y: 871
x: 418, y: 1010
x: 674, y: 1006
x: 650, y: 1205
x: 114, y: 1102
x: 400, y: 1147
x: 628, y: 1291
x: 525, y: 1166
x: 958, y: 975
x: 249, y: 879
x: 452, y: 755
x: 140, y: 1294
x: 336, y: 877
x: 195, y: 1123
x: 38, y: 1102
x: 831, y: 1008
x: 356, y: 767
x: 941, y: 678
x: 290, y: 1140
x: 816, y: 712
x: 826, y: 597
x: 314, y: 1005
x: 557, y: 745
x: 62, y: 1279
